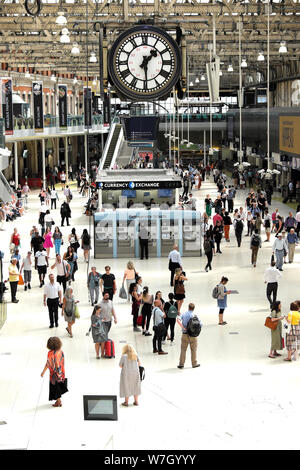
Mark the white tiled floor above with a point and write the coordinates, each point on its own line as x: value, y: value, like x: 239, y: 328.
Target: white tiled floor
x: 238, y: 398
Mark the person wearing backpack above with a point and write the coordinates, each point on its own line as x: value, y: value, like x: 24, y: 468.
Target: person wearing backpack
x: 209, y: 248
x: 238, y: 228
x: 255, y: 244
x: 191, y: 327
x: 222, y: 298
x: 171, y: 311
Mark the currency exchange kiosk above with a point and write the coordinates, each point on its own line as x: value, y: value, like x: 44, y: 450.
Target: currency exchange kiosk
x: 192, y: 234
x: 169, y: 232
x: 104, y: 234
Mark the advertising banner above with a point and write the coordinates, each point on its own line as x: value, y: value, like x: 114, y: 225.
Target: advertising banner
x: 7, y: 105
x: 87, y: 106
x: 289, y: 135
x: 63, y: 106
x: 38, y: 109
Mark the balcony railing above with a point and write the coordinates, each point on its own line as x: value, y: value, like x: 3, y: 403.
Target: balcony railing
x: 53, y: 121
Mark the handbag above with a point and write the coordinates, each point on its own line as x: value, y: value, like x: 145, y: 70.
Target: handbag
x: 142, y: 372
x: 123, y: 293
x: 179, y: 289
x: 271, y: 324
x: 21, y: 281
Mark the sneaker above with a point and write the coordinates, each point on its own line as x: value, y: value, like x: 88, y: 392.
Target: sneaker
x: 197, y: 365
x: 136, y: 329
x: 29, y: 286
x: 180, y: 367
x: 25, y: 288
x: 148, y: 334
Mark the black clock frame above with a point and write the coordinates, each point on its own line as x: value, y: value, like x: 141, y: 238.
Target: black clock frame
x: 122, y: 90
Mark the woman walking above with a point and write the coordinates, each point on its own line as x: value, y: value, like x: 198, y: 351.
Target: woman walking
x: 56, y: 365
x: 85, y: 244
x: 222, y: 299
x: 93, y: 285
x: 68, y: 309
x: 129, y: 276
x: 73, y: 240
x: 136, y: 302
x: 218, y: 233
x: 58, y: 240
x: 48, y: 242
x: 171, y: 311
x: 179, y: 289
x: 99, y: 333
x: 70, y: 257
x: 227, y: 222
x: 208, y: 205
x: 276, y: 335
x: 209, y: 249
x: 13, y: 279
x: 293, y: 337
x: 15, y: 240
x: 48, y: 220
x: 130, y: 381
x: 147, y: 304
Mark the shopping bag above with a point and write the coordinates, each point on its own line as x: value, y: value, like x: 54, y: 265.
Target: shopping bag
x: 76, y: 312
x: 123, y: 293
x: 21, y: 281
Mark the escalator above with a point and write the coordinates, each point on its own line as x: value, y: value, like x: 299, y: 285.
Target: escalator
x: 5, y: 190
x: 111, y: 147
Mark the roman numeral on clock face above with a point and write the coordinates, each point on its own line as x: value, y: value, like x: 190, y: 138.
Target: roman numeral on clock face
x: 132, y: 40
x: 163, y: 73
x: 125, y: 73
x: 144, y: 40
x: 122, y: 62
x: 167, y: 62
x: 134, y: 82
x: 164, y: 51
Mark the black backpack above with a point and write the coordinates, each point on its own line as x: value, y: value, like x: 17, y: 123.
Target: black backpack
x: 207, y: 246
x: 194, y: 327
x: 255, y: 240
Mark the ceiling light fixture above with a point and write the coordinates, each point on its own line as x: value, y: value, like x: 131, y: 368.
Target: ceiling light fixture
x: 244, y: 63
x: 94, y: 82
x: 202, y: 77
x: 230, y: 68
x: 260, y: 57
x: 197, y: 80
x: 27, y: 74
x: 220, y: 73
x: 282, y: 48
x: 191, y: 84
x: 93, y: 57
x: 53, y: 77
x: 61, y: 19
x: 75, y: 80
x: 75, y: 49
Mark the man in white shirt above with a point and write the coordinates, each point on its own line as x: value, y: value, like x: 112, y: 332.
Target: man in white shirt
x: 158, y: 318
x: 53, y: 295
x: 107, y: 311
x: 62, y: 270
x: 41, y: 264
x: 271, y: 279
x: 68, y: 194
x: 174, y: 262
x: 53, y: 197
x: 280, y: 249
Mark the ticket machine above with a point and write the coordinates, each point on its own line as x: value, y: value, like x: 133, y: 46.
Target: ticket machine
x: 125, y: 229
x: 169, y: 232
x: 191, y: 233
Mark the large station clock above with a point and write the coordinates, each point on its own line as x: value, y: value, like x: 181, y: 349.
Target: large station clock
x: 144, y: 63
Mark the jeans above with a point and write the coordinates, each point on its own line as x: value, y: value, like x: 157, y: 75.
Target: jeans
x: 254, y: 254
x: 53, y: 203
x: 94, y: 293
x: 170, y: 322
x: 279, y: 258
x: 157, y: 342
x: 57, y: 244
x: 209, y: 256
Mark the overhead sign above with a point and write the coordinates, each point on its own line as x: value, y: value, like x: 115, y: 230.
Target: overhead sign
x: 114, y: 186
x: 289, y: 134
x: 63, y: 106
x: 140, y: 128
x: 38, y: 111
x: 7, y: 105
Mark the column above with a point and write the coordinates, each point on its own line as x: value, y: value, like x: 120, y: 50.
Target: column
x: 86, y: 152
x: 204, y: 147
x: 67, y: 159
x: 44, y: 163
x: 16, y: 164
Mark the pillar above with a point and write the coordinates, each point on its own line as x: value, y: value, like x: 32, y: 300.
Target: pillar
x: 86, y: 152
x: 16, y: 164
x: 44, y: 163
x: 66, y: 159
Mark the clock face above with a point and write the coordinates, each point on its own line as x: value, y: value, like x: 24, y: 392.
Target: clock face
x: 144, y: 63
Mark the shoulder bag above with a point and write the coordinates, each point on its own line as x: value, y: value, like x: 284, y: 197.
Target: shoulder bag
x: 271, y: 324
x: 160, y: 329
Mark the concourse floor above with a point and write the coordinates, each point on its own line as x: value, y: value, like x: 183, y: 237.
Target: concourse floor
x: 237, y: 399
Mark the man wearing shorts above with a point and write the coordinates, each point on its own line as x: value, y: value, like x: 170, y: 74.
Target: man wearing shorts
x: 41, y: 264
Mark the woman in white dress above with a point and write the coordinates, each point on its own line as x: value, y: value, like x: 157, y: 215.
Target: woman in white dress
x: 130, y: 381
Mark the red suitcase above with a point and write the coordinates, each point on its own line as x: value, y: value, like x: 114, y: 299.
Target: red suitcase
x: 139, y: 320
x: 109, y: 349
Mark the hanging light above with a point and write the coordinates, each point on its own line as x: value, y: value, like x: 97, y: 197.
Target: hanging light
x: 61, y: 19
x: 282, y: 48
x: 220, y: 73
x: 197, y: 80
x: 202, y: 77
x: 191, y: 84
x: 75, y: 80
x: 27, y: 74
x: 64, y: 38
x: 53, y: 77
x: 75, y: 49
x: 93, y: 57
x: 230, y: 68
x: 260, y: 57
x: 94, y: 82
x: 244, y: 63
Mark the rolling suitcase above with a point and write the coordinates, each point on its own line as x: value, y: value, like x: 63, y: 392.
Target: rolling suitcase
x: 109, y: 349
x: 139, y: 320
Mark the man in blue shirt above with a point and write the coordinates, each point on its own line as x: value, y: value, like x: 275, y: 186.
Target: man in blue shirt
x: 186, y: 339
x: 292, y: 240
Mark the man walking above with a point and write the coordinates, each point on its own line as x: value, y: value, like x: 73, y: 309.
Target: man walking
x: 271, y: 279
x: 292, y: 241
x: 238, y: 227
x: 62, y: 270
x: 53, y: 296
x: 158, y: 327
x: 280, y: 250
x: 41, y: 264
x: 108, y: 283
x: 174, y: 262
x: 186, y: 339
x: 144, y: 240
x: 255, y: 244
x: 107, y: 311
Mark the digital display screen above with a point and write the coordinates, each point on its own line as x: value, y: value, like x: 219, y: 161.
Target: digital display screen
x: 140, y: 128
x: 129, y: 193
x: 100, y: 407
x: 165, y: 193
